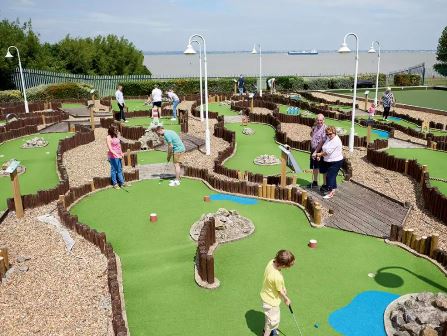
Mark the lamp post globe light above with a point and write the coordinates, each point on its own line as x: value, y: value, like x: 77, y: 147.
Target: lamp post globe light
x: 190, y: 51
x: 200, y: 77
x: 9, y: 55
x: 260, y: 67
x: 373, y: 51
x: 345, y: 49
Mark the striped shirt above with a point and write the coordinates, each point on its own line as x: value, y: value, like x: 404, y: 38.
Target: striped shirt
x: 388, y: 99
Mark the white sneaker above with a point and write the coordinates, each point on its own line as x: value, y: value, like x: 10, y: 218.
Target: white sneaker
x: 173, y: 119
x: 174, y: 183
x: 126, y: 121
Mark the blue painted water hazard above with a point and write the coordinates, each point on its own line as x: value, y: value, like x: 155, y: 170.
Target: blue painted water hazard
x: 381, y: 134
x: 232, y: 198
x: 363, y: 316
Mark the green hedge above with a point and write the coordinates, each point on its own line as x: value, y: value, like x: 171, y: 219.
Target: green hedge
x: 407, y: 80
x: 9, y: 96
x: 183, y: 86
x: 59, y: 91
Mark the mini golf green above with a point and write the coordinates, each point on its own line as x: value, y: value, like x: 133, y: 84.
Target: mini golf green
x: 133, y: 105
x: 436, y: 99
x: 149, y: 157
x: 404, y: 123
x: 262, y: 142
x: 40, y: 164
x: 222, y: 109
x: 435, y: 161
x: 162, y: 298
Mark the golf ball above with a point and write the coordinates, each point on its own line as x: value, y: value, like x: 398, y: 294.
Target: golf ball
x: 371, y: 275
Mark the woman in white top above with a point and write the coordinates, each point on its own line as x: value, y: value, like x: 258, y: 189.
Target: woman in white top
x: 332, y: 154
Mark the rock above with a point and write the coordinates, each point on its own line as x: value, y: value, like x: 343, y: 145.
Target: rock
x: 266, y: 160
x: 248, y: 131
x: 35, y: 143
x: 21, y: 259
x: 23, y: 268
x: 410, y: 304
x: 441, y: 303
x: 424, y: 297
x: 401, y: 333
x: 223, y: 212
x: 150, y: 139
x: 397, y: 319
x: 428, y: 331
x: 409, y: 317
x: 413, y: 328
x: 234, y: 213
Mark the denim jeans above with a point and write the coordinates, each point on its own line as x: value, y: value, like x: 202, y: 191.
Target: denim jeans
x: 121, y: 113
x: 174, y: 108
x: 331, y: 173
x: 116, y: 171
x: 241, y: 90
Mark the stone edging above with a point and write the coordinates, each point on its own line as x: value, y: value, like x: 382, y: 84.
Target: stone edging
x: 386, y: 320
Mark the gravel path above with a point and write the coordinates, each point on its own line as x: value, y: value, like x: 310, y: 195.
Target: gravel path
x: 88, y: 161
x: 416, y: 114
x: 262, y: 110
x: 54, y: 292
x: 296, y: 132
x: 399, y: 187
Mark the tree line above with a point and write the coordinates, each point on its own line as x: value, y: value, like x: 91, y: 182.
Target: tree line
x: 100, y: 55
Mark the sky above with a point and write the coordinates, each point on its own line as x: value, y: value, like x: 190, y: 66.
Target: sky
x: 235, y: 25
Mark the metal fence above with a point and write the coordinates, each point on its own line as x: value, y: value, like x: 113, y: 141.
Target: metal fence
x: 418, y: 69
x: 106, y: 85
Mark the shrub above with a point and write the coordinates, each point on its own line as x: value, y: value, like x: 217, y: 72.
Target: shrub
x: 59, y: 91
x: 9, y: 96
x: 341, y: 83
x: 372, y: 78
x: 407, y: 80
x: 184, y: 86
x: 321, y: 83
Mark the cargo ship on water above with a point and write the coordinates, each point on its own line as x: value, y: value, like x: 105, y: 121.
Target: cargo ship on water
x: 304, y: 52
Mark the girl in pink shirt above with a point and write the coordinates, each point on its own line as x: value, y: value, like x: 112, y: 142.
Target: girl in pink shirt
x: 114, y: 155
x: 371, y: 111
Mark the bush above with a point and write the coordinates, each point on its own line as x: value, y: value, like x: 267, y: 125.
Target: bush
x: 372, y: 77
x: 184, y: 86
x: 321, y: 83
x: 407, y: 80
x: 59, y: 91
x: 9, y: 96
x: 341, y: 83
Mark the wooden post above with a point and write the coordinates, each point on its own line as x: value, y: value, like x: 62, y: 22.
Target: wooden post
x: 408, y: 233
x: 43, y: 120
x: 251, y: 104
x: 434, y: 241
x: 293, y: 179
x: 283, y: 169
x: 92, y: 118
x: 424, y: 170
x: 412, y: 238
x: 92, y: 185
x: 128, y: 157
x: 304, y: 198
x: 4, y: 255
x: 366, y: 100
x: 434, y: 145
x: 406, y: 167
x: 422, y: 244
x: 289, y: 194
x: 416, y: 243
x: 235, y: 87
x: 260, y: 191
x: 264, y: 187
x: 317, y: 214
x: 16, y: 192
x: 62, y: 200
x: 2, y: 268
x: 71, y: 127
x: 368, y: 135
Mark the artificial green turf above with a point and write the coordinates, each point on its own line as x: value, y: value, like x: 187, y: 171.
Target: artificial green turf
x: 153, y: 156
x: 262, y: 142
x: 222, y: 109
x: 162, y: 298
x: 435, y: 160
x: 441, y: 185
x: 72, y: 105
x: 436, y: 99
x: 40, y: 167
x: 133, y: 105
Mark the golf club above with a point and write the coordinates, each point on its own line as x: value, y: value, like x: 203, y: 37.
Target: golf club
x: 294, y: 318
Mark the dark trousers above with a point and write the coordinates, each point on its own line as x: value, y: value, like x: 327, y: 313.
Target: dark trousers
x: 120, y: 115
x: 332, y: 169
x: 386, y: 111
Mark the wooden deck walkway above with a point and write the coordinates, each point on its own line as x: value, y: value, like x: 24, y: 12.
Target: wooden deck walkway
x: 359, y: 209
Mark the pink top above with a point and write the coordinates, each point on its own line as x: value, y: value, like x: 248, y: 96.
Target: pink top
x: 116, y: 147
x: 371, y: 110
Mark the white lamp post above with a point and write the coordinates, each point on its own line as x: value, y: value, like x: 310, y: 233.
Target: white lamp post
x: 9, y: 55
x: 372, y: 51
x: 200, y: 77
x: 344, y: 49
x: 260, y: 67
x: 190, y: 51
